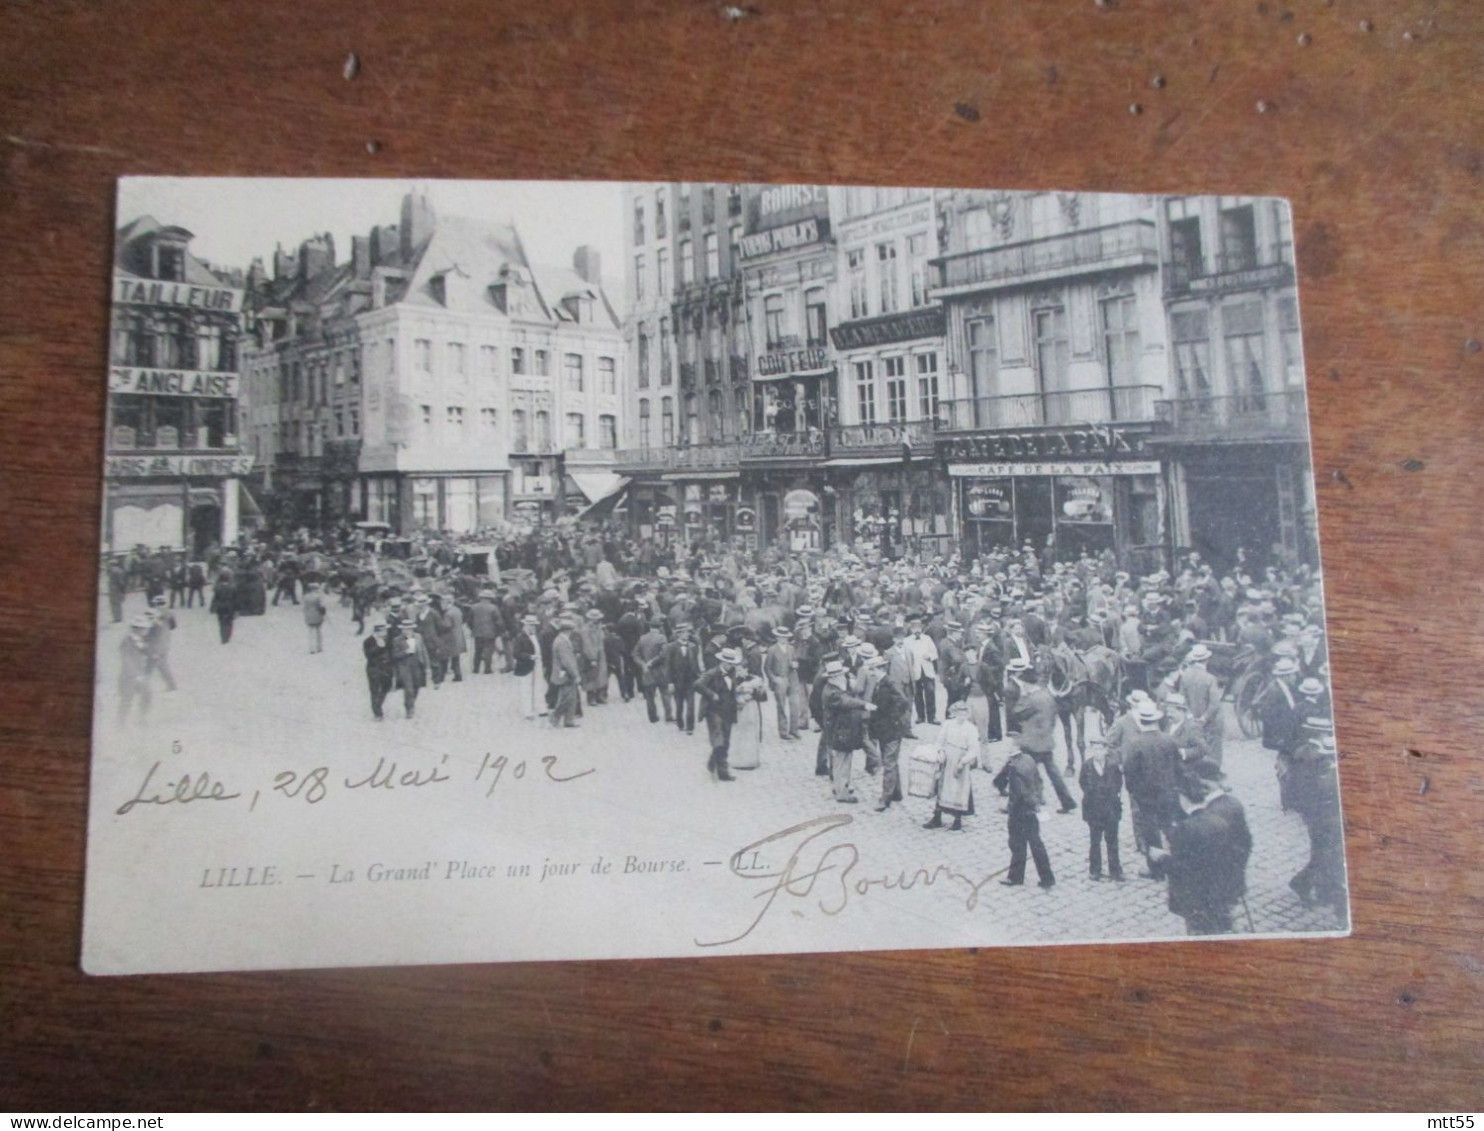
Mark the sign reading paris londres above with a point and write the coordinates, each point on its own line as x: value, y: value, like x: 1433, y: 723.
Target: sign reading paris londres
x: 510, y: 571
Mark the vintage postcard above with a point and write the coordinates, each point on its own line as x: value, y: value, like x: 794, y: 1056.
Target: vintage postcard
x: 500, y: 571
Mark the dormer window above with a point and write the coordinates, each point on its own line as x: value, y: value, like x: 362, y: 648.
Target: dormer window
x: 170, y: 260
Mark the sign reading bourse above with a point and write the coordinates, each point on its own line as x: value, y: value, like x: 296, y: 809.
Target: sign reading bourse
x: 171, y: 382
x: 781, y: 217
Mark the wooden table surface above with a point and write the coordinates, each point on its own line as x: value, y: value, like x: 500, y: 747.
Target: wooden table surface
x: 1366, y: 113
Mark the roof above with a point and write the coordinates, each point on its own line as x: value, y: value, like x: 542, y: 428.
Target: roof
x: 196, y: 270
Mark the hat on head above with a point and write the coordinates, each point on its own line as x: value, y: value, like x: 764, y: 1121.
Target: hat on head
x: 1199, y: 775
x: 1018, y: 665
x: 1311, y: 686
x: 1147, y: 711
x: 1320, y: 722
x: 1199, y: 653
x: 851, y: 641
x: 959, y: 709
x: 379, y: 626
x: 867, y: 651
x: 683, y: 627
x: 1176, y: 699
x: 1286, y: 665
x: 595, y: 614
x: 729, y: 656
x: 783, y: 633
x: 141, y: 622
x: 530, y: 619
x: 952, y: 625
x: 803, y: 612
x: 157, y: 601
x: 833, y: 668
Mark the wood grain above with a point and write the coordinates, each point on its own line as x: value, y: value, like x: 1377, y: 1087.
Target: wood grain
x: 1377, y: 139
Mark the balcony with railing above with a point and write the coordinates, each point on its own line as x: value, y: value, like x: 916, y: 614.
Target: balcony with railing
x: 738, y: 367
x: 590, y: 457
x: 1241, y: 269
x: 1131, y: 244
x: 690, y: 457
x: 1282, y: 415
x: 687, y: 374
x: 1104, y: 405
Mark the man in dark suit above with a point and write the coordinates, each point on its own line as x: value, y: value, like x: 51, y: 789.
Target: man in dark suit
x: 844, y: 714
x: 378, y: 666
x: 1023, y: 783
x: 953, y: 664
x: 566, y: 674
x: 1102, y: 808
x: 484, y: 624
x: 990, y: 674
x: 649, y: 666
x: 718, y: 692
x: 1151, y: 766
x: 1206, y: 863
x: 524, y: 651
x: 1034, y: 718
x: 682, y: 669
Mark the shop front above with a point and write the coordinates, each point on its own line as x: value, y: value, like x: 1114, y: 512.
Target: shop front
x: 1075, y: 506
x: 1247, y: 502
x: 184, y: 502
x: 450, y: 503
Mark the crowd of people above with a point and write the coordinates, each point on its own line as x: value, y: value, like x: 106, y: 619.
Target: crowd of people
x: 860, y: 656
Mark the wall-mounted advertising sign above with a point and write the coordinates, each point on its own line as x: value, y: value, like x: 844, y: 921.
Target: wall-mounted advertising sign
x: 786, y: 363
x: 150, y: 467
x: 171, y: 382
x: 782, y: 217
x: 154, y: 292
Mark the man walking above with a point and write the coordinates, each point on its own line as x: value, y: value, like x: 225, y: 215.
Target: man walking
x: 314, y: 617
x: 1023, y: 782
x: 1206, y: 863
x: 683, y: 668
x: 118, y: 586
x: 887, y: 725
x: 1151, y: 767
x: 378, y: 655
x: 922, y: 660
x: 485, y: 624
x: 566, y: 674
x: 844, y: 714
x: 718, y: 692
x: 1102, y: 808
x: 782, y: 671
x: 649, y: 665
x: 1034, y: 718
x: 162, y: 626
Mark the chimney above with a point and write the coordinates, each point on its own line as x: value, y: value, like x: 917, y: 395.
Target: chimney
x: 283, y: 263
x: 257, y: 274
x: 417, y: 223
x: 589, y: 264
x: 383, y: 244
x: 360, y: 257
x: 316, y: 255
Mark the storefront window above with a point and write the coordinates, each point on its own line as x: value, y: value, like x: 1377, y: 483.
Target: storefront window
x: 425, y: 502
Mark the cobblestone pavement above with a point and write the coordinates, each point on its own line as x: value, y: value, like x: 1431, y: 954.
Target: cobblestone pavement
x: 651, y: 786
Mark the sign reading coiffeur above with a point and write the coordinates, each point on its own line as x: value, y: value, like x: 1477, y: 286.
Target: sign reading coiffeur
x: 154, y: 292
x: 171, y: 382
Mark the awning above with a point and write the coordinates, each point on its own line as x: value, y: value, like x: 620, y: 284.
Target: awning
x: 674, y: 475
x: 604, y: 505
x: 247, y: 506
x: 596, y: 484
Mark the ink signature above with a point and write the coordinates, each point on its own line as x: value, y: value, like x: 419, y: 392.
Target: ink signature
x: 830, y: 868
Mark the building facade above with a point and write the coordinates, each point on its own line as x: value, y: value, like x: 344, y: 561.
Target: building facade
x: 173, y: 465
x: 439, y: 380
x: 1236, y: 444
x: 1057, y: 361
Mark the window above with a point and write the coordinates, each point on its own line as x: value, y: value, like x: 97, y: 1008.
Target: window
x: 543, y: 431
x: 608, y: 432
x: 659, y: 214
x: 170, y: 263
x: 456, y: 361
x: 860, y: 303
x: 490, y: 418
x: 1245, y: 361
x: 1121, y: 339
x: 682, y: 208
x: 716, y: 419
x: 1191, y: 332
x: 355, y: 366
x: 886, y: 275
x: 607, y: 377
x: 984, y: 361
x: 734, y: 200
x: 740, y: 407
x: 638, y: 222
x: 708, y: 204
x: 455, y: 416
x: 1045, y: 220
x: 865, y: 392
x: 665, y: 374
x: 667, y: 421
x: 643, y: 359
x: 895, y: 369
x: 208, y: 347
x: 917, y: 261
x: 1052, y: 356
x: 713, y: 254
x: 180, y: 344
x: 1185, y: 250
x: 576, y: 437
x: 773, y: 321
x: 572, y: 368
x: 543, y: 363
x: 692, y: 419
x: 520, y: 440
x: 1238, y: 239
x: 422, y: 355
x: 489, y: 363
x: 427, y: 411
x: 639, y: 277
x: 517, y: 360
x: 644, y: 423
x: 355, y: 421
x: 815, y: 322
x: 391, y: 357
x: 339, y: 424
x: 734, y: 241
x: 927, y: 385
x: 662, y: 273
x: 1293, y: 345
x: 687, y: 263
x: 139, y: 343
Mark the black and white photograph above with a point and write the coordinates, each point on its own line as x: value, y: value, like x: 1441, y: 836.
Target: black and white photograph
x: 496, y: 571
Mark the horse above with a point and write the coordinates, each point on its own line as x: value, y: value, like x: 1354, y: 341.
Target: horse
x: 1079, y: 681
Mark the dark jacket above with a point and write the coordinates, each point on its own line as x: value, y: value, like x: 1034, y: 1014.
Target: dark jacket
x: 1207, y: 864
x: 892, y: 718
x: 1035, y: 716
x: 525, y: 651
x: 718, y: 696
x: 843, y: 714
x: 378, y: 658
x: 1023, y: 780
x: 1102, y: 801
x: 682, y: 663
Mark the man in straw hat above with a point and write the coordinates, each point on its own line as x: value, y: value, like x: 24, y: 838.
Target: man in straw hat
x: 1151, y: 767
x: 1313, y: 791
x: 843, y: 726
x: 1202, y: 698
x: 717, y: 688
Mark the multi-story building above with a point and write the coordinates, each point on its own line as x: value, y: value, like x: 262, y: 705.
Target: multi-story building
x: 1057, y: 359
x: 472, y: 385
x: 173, y: 466
x: 1236, y: 445
x: 889, y: 338
x: 686, y: 332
